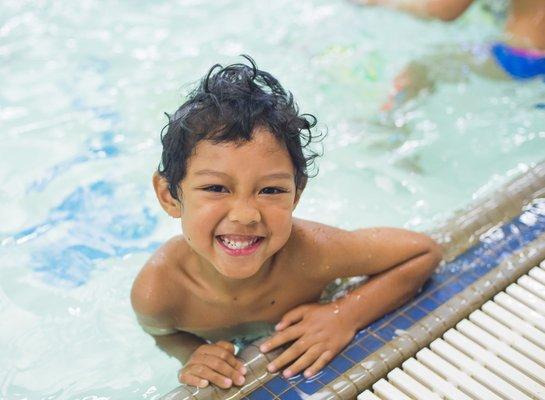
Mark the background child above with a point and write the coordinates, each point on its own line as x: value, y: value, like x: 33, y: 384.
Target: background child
x: 520, y: 54
x: 234, y: 165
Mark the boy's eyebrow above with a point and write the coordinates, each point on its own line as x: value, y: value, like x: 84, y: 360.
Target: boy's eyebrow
x: 276, y: 175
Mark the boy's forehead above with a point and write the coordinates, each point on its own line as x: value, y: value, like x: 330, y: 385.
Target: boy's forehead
x: 262, y: 156
x: 263, y: 144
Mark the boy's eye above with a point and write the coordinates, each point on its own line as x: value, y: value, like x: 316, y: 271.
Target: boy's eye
x: 215, y: 189
x: 272, y: 190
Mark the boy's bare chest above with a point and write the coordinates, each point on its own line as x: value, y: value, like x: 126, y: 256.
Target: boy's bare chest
x: 206, y: 310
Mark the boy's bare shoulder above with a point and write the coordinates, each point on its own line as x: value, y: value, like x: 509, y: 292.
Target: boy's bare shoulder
x: 153, y: 288
x: 365, y: 251
x: 314, y: 234
x: 310, y: 244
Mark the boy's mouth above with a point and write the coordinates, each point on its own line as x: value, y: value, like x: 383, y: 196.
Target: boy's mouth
x: 238, y: 245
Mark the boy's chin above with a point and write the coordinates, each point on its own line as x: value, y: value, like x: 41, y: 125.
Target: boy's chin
x: 237, y: 272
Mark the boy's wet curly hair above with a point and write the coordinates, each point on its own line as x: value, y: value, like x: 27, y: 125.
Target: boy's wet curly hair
x: 229, y: 103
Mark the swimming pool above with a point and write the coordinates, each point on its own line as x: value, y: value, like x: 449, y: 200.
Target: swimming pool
x: 81, y: 107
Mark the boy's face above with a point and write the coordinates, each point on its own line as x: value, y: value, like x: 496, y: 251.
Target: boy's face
x: 237, y: 203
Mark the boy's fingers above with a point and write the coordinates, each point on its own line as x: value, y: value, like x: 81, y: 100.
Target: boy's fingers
x: 222, y: 353
x: 309, y: 357
x: 279, y: 339
x: 290, y: 318
x: 192, y: 380
x: 294, y: 351
x: 220, y: 366
x: 319, y: 364
x: 226, y: 345
x: 230, y: 347
x: 204, y: 372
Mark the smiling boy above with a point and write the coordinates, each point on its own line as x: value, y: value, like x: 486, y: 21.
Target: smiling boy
x: 234, y: 165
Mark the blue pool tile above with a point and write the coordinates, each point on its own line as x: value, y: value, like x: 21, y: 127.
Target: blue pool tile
x: 484, y: 251
x: 484, y: 268
x: 440, y: 296
x: 370, y: 344
x: 456, y: 287
x: 470, y: 255
x: 467, y: 278
x: 386, y: 333
x: 341, y: 363
x: 290, y: 395
x: 277, y: 384
x: 502, y: 254
x: 377, y: 324
x: 327, y: 375
x: 454, y: 267
x: 261, y: 394
x: 415, y: 313
x: 382, y: 321
x: 355, y: 353
x: 427, y: 304
x: 433, y: 282
x: 529, y: 233
x: 447, y: 292
x: 400, y: 322
x: 513, y: 244
x: 441, y: 277
x: 491, y: 254
x: 310, y: 386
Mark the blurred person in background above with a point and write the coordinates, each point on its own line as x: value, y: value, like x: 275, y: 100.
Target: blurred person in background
x: 519, y: 54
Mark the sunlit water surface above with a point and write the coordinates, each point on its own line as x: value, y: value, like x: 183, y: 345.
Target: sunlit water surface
x: 84, y: 86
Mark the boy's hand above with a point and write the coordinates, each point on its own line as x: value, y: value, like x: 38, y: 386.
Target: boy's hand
x: 319, y: 333
x: 213, y: 363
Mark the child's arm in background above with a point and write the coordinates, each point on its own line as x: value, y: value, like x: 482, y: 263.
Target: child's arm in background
x: 446, y: 10
x: 400, y: 262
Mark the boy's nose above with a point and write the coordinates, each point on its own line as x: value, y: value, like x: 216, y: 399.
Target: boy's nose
x: 244, y: 212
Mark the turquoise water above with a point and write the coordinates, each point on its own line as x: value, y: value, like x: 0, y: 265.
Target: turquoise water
x: 84, y: 86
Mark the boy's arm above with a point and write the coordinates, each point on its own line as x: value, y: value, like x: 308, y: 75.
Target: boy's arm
x: 446, y: 10
x: 202, y: 363
x: 180, y: 345
x: 387, y: 290
x: 400, y: 261
x: 371, y: 251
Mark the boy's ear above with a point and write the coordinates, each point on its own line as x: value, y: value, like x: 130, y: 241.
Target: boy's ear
x: 299, y: 191
x: 298, y: 194
x: 172, y: 206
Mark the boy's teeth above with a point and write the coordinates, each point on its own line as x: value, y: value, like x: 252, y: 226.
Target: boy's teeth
x: 236, y: 245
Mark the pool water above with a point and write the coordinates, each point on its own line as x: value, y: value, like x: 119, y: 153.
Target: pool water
x: 84, y: 86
